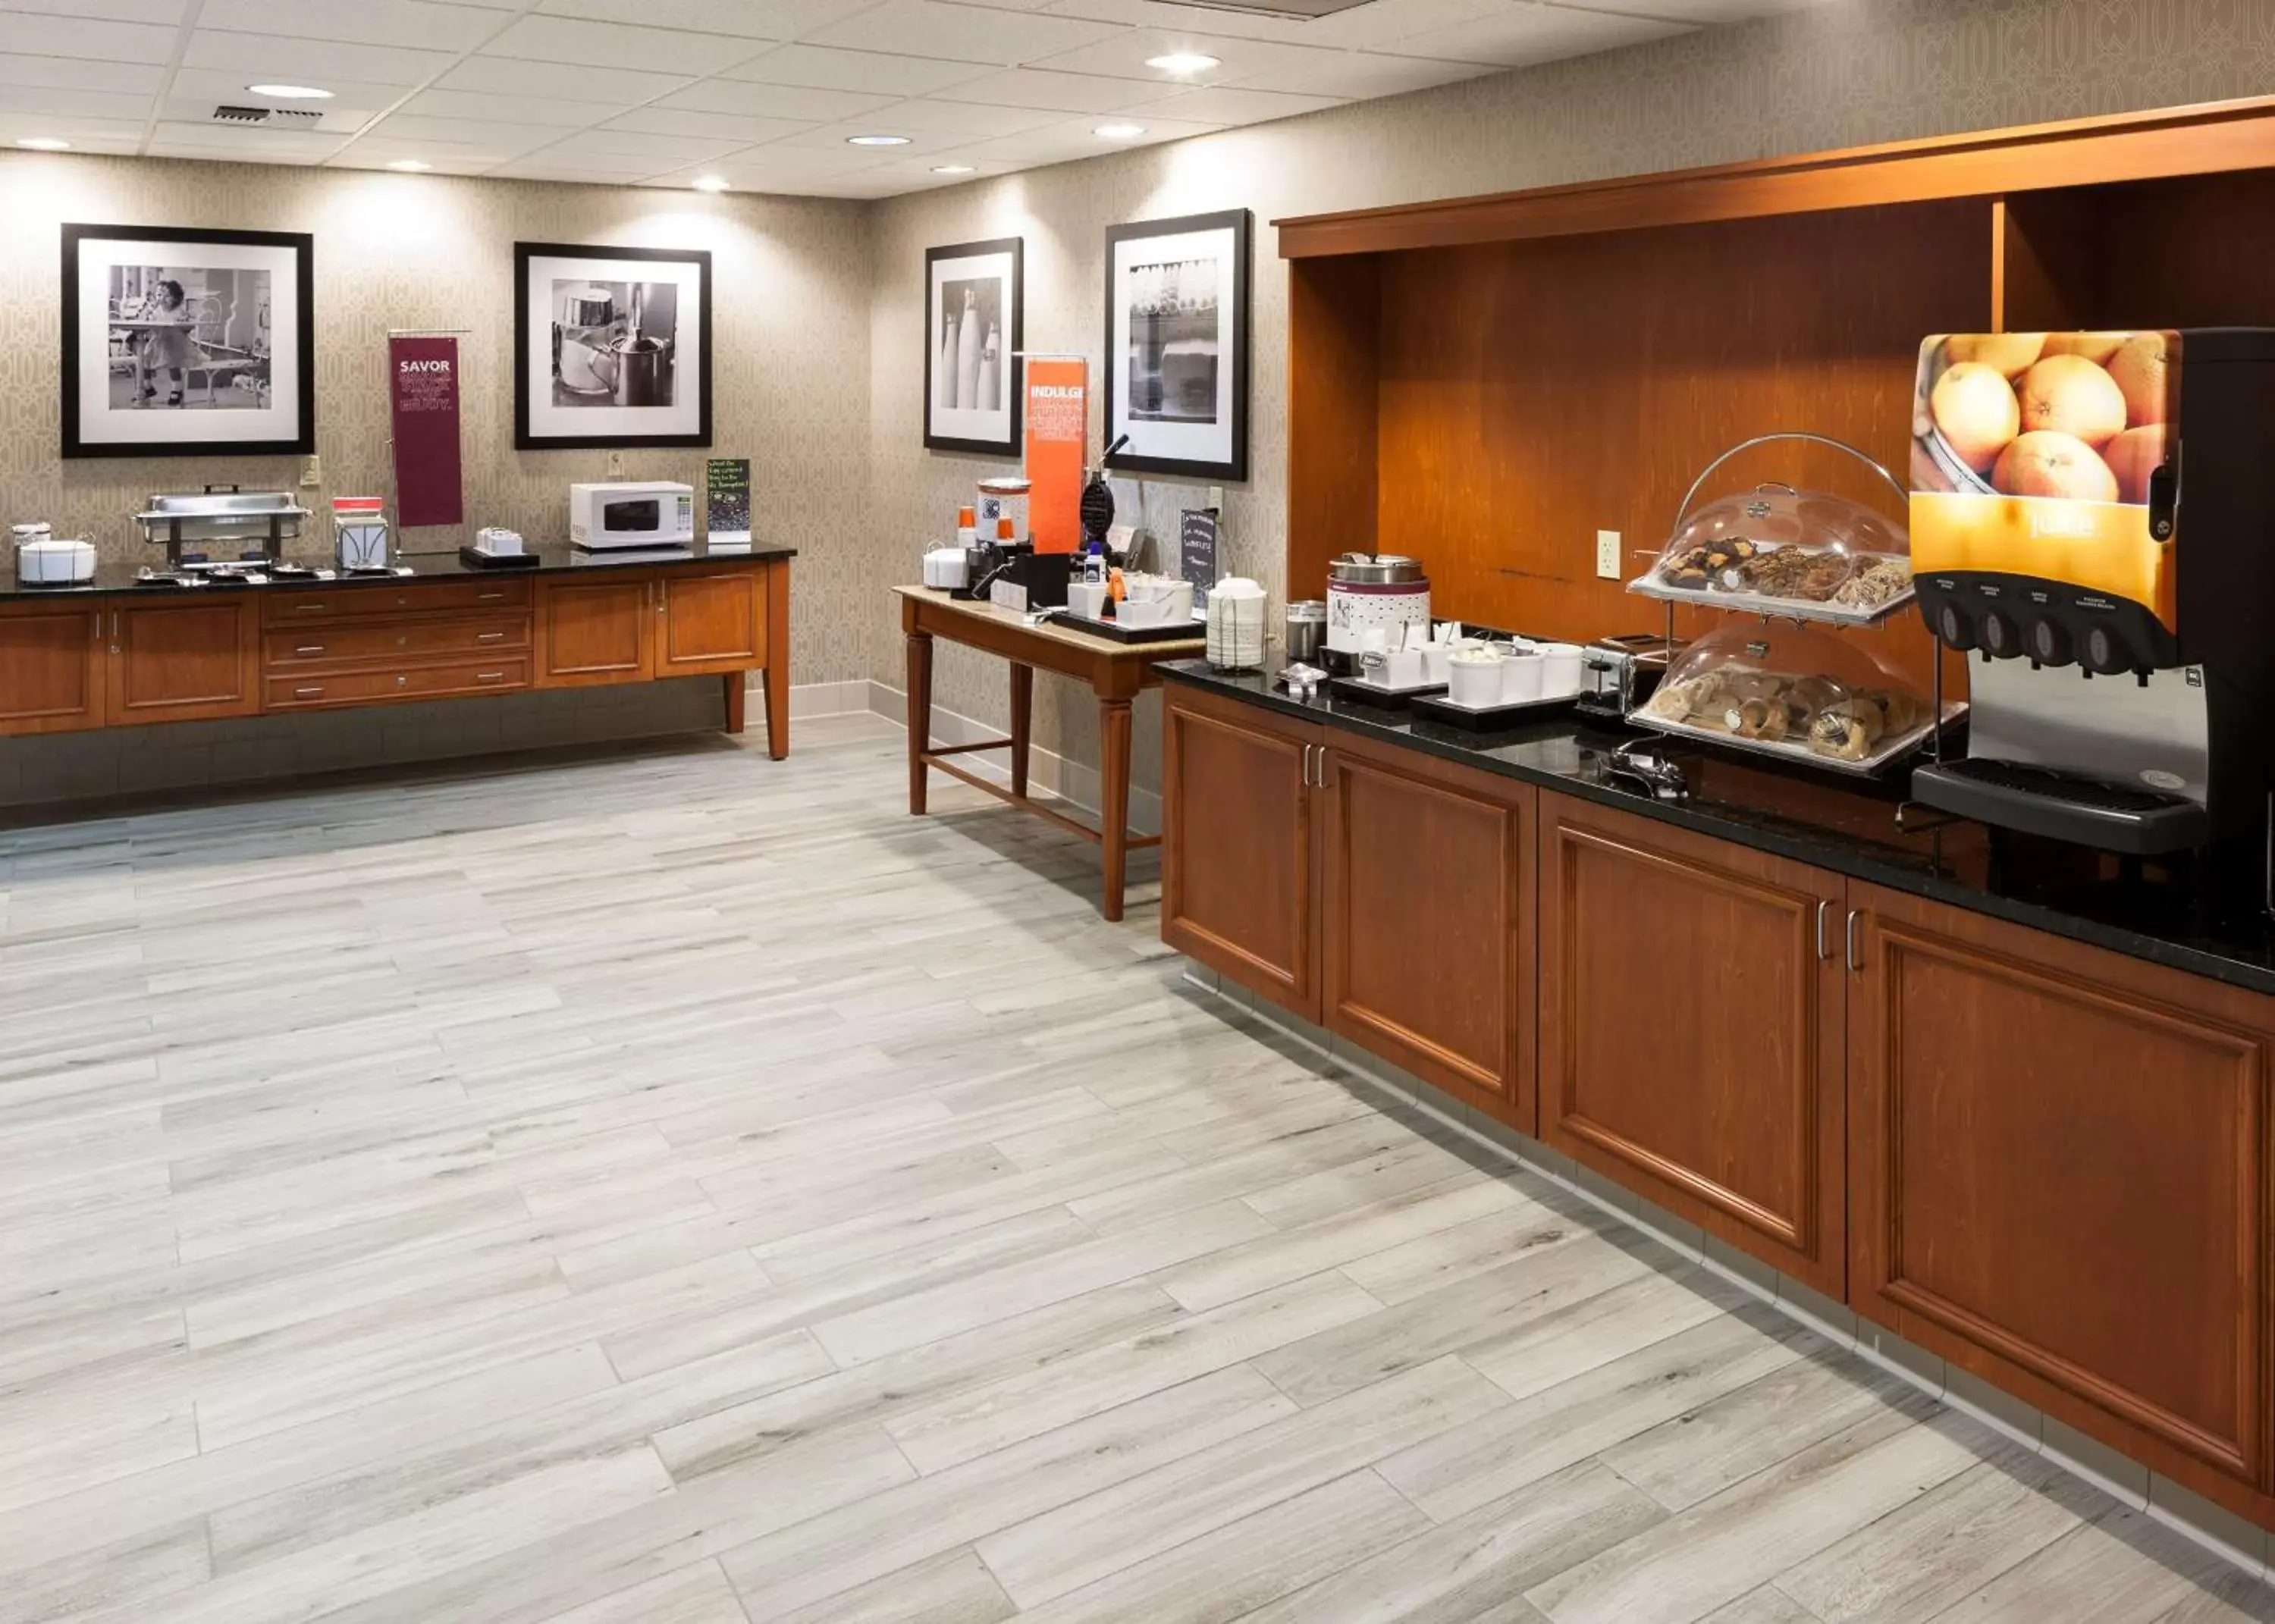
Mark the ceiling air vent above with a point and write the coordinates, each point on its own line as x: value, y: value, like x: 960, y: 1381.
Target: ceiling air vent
x: 274, y: 117
x: 1297, y: 10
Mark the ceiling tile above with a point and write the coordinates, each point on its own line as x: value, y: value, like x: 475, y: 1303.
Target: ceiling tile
x: 837, y: 137
x: 1182, y: 18
x: 166, y: 13
x: 737, y: 99
x: 345, y: 116
x: 66, y: 101
x: 1363, y: 74
x: 441, y: 159
x: 756, y: 20
x: 205, y: 88
x: 413, y: 23
x: 1377, y: 21
x: 1522, y: 34
x: 966, y: 118
x: 1703, y: 11
x: 1220, y: 105
x: 655, y: 152
x: 1123, y: 56
x: 507, y: 140
x: 780, y: 159
x: 1064, y: 93
x: 140, y: 79
x: 618, y: 45
x: 89, y: 39
x: 609, y: 89
x: 557, y: 111
x: 963, y: 32
x: 311, y: 61
x: 739, y: 129
x: 883, y: 73
x: 84, y: 134
x: 243, y: 145
x: 598, y: 166
x: 1078, y: 139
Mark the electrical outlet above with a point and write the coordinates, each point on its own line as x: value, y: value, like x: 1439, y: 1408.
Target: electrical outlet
x: 312, y: 470
x: 615, y: 465
x: 1607, y: 554
x: 1216, y: 497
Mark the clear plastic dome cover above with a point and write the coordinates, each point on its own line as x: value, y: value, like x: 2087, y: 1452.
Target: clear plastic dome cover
x: 1775, y: 546
x: 1794, y: 690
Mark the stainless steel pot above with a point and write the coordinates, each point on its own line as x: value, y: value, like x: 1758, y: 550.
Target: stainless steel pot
x: 1307, y: 631
x: 1373, y: 570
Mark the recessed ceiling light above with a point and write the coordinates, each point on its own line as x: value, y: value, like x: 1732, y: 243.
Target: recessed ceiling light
x: 951, y: 169
x: 44, y: 143
x: 292, y: 93
x: 709, y: 183
x: 1184, y: 61
x: 1119, y: 131
x: 410, y: 166
x: 876, y: 140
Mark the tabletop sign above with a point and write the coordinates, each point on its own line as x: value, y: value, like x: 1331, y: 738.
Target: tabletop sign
x: 1197, y: 551
x: 1058, y: 429
x: 727, y: 503
x: 423, y: 401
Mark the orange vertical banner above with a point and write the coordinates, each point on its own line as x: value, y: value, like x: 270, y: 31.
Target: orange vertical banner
x: 1058, y: 429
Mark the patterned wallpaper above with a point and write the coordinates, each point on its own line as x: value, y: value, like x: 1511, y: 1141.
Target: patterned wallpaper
x: 1847, y: 73
x: 789, y: 299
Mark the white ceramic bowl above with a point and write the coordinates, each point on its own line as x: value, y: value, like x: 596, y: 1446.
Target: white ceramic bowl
x: 55, y: 563
x: 1521, y: 677
x: 1473, y: 680
x: 1560, y: 680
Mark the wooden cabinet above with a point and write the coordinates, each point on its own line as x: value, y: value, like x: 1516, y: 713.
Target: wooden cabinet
x: 53, y: 659
x: 1692, y: 1030
x: 594, y: 631
x: 1238, y: 872
x: 713, y: 623
x: 1426, y: 922
x: 2060, y: 1164
x: 183, y: 661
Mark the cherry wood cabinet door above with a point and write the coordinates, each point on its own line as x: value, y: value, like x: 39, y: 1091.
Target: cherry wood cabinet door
x: 712, y: 623
x: 1427, y: 920
x: 53, y: 658
x: 2060, y: 1170
x: 1692, y: 1039
x: 590, y: 632
x: 1237, y: 869
x: 183, y: 661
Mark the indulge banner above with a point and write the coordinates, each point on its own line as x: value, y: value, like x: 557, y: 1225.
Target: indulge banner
x: 1058, y: 426
x: 424, y: 396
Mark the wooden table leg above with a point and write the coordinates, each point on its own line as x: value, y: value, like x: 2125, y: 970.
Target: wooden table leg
x: 1114, y: 799
x: 736, y: 684
x: 919, y: 683
x: 1022, y: 722
x: 776, y: 672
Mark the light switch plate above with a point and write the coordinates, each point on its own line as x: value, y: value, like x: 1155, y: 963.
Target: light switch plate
x: 1607, y: 554
x: 311, y: 471
x: 615, y: 465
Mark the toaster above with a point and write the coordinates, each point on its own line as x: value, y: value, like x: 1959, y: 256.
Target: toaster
x: 1618, y: 673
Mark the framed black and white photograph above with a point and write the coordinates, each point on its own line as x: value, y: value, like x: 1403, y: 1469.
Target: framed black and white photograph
x: 611, y: 346
x: 187, y: 343
x: 1176, y: 345
x: 974, y: 294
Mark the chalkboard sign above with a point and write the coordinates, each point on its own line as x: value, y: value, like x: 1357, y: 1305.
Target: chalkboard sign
x: 1197, y: 551
x: 727, y: 503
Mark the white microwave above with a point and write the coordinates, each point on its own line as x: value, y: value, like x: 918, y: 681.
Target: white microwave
x: 655, y: 514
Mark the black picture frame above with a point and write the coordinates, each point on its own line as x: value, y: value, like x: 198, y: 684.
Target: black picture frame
x: 1014, y: 440
x: 300, y: 441
x: 1232, y: 467
x: 528, y: 435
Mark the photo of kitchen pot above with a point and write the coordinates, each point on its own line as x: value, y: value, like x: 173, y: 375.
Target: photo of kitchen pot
x: 614, y: 343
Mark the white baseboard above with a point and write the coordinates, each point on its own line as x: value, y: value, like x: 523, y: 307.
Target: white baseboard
x: 1048, y: 771
x: 845, y: 698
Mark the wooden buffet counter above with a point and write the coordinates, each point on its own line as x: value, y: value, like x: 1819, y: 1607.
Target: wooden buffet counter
x: 2018, y: 1117
x: 116, y: 654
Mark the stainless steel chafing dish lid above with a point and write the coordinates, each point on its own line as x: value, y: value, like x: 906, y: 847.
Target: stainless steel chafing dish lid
x: 220, y: 514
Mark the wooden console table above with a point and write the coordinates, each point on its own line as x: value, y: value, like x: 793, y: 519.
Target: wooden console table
x: 1116, y: 673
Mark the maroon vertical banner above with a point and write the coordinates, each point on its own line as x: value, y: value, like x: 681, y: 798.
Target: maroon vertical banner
x: 424, y: 394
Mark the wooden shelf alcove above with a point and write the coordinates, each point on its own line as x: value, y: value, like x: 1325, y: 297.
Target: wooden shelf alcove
x: 1486, y: 382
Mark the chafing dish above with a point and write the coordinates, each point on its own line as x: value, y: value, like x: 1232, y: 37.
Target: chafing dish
x: 217, y: 526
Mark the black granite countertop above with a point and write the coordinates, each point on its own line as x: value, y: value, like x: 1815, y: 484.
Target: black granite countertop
x: 553, y: 557
x: 1847, y: 825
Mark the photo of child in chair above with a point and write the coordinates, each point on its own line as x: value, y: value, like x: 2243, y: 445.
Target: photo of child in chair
x: 189, y: 338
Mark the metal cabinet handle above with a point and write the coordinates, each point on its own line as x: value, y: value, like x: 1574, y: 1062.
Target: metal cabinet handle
x: 488, y: 597
x: 490, y: 637
x: 403, y: 682
x: 309, y: 648
x: 489, y: 676
x: 1822, y: 951
x: 1855, y: 960
x: 307, y: 693
x: 310, y: 608
x: 1308, y: 749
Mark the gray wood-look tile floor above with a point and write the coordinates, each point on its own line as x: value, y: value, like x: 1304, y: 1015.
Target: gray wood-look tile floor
x: 682, y: 1189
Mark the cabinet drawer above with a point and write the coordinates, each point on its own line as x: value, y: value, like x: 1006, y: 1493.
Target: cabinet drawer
x: 351, y: 641
x: 323, y: 604
x: 434, y: 682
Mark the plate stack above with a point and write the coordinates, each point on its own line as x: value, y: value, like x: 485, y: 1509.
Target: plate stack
x: 1236, y: 625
